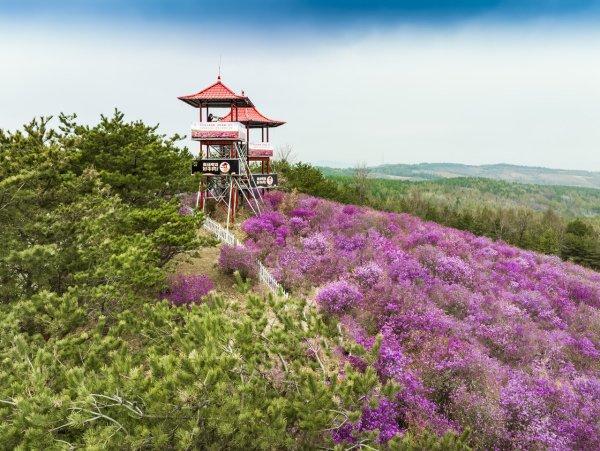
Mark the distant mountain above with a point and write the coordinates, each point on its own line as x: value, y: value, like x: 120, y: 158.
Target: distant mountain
x: 507, y: 172
x: 334, y: 164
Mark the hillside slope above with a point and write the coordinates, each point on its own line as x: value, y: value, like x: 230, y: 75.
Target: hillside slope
x: 479, y: 334
x: 506, y: 172
x: 119, y: 331
x: 559, y: 220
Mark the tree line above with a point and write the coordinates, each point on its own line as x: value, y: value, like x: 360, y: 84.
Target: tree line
x: 504, y: 213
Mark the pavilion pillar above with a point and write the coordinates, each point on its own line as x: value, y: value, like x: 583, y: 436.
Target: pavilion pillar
x: 200, y: 120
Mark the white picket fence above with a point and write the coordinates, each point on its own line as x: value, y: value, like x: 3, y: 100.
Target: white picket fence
x: 226, y: 236
x: 219, y: 231
x: 267, y: 278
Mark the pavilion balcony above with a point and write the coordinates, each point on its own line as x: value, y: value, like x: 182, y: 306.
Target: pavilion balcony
x: 218, y: 131
x: 260, y: 150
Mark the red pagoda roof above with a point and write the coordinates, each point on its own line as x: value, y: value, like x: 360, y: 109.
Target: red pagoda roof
x: 251, y: 117
x: 216, y: 95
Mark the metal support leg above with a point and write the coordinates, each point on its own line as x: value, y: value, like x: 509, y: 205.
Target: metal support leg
x: 199, y: 191
x: 229, y: 202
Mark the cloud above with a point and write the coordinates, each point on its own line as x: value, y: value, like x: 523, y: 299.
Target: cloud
x: 472, y: 93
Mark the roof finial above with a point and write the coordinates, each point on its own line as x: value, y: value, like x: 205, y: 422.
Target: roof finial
x: 219, y: 76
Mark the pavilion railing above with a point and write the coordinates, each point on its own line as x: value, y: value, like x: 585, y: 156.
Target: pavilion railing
x: 226, y: 236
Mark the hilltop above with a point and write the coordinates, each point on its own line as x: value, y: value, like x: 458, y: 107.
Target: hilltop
x: 123, y: 325
x: 506, y: 172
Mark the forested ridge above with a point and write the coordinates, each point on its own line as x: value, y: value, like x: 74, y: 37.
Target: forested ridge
x: 505, y: 172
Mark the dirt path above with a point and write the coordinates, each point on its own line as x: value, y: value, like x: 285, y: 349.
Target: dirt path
x: 205, y: 261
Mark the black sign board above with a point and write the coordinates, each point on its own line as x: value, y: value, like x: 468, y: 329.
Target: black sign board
x: 265, y: 180
x: 216, y: 166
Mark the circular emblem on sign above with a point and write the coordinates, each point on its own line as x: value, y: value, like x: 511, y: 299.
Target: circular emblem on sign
x: 269, y: 180
x: 224, y: 167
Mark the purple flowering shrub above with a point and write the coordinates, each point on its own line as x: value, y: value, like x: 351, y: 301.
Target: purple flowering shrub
x: 478, y: 334
x: 238, y: 258
x: 273, y: 198
x: 188, y: 289
x: 269, y: 229
x: 337, y: 297
x: 368, y: 275
x: 186, y: 211
x: 187, y: 202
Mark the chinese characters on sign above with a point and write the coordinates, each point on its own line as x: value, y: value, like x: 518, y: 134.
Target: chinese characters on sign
x: 217, y: 166
x: 265, y: 180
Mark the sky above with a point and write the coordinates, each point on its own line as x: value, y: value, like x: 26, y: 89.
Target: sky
x: 357, y: 81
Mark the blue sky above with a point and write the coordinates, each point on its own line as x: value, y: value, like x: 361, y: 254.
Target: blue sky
x: 332, y: 12
x: 358, y: 81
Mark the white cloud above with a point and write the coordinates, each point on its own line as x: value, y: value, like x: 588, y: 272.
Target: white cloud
x: 472, y: 94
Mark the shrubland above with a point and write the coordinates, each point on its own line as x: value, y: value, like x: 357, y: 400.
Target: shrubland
x: 480, y: 335
x: 104, y: 346
x: 399, y: 334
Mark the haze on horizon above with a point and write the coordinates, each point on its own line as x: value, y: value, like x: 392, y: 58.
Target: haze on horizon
x: 395, y: 82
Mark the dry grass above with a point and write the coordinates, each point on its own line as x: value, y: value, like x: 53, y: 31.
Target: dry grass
x: 204, y: 260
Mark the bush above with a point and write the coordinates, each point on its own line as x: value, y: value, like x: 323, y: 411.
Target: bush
x: 205, y: 377
x: 90, y: 359
x: 338, y: 297
x: 238, y: 258
x: 186, y: 289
